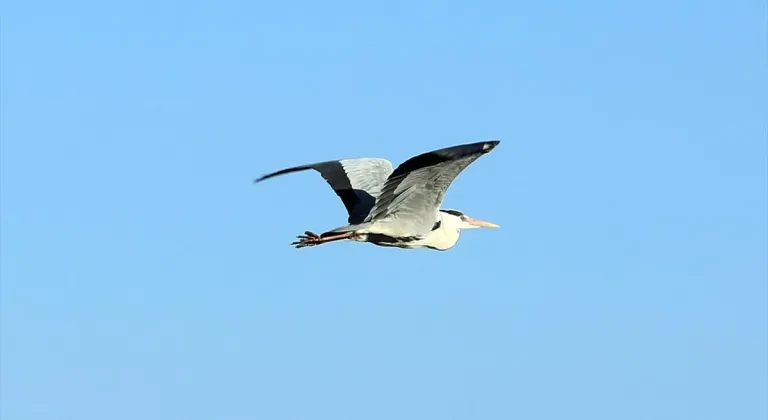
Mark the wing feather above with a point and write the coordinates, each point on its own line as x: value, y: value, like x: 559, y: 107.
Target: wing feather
x: 413, y: 193
x: 357, y: 182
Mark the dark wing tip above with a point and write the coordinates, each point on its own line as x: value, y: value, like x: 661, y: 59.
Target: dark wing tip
x: 445, y: 154
x: 490, y: 145
x: 456, y: 152
x: 470, y: 148
x: 267, y: 176
x: 283, y: 172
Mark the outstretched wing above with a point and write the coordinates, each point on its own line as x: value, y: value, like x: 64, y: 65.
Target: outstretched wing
x: 413, y: 193
x: 356, y: 181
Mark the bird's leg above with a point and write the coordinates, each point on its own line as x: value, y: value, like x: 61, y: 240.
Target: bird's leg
x: 312, y: 239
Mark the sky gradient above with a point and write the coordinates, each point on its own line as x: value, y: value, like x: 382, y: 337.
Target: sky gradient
x: 144, y: 275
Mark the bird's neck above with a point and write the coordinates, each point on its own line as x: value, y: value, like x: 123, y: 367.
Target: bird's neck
x: 445, y: 236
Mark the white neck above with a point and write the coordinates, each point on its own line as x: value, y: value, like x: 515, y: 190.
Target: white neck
x: 445, y: 236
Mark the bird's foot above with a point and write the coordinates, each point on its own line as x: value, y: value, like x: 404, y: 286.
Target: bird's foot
x: 308, y: 239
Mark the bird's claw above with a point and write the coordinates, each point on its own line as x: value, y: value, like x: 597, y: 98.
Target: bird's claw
x: 307, y: 239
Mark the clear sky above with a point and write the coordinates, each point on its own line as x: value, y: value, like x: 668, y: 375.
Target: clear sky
x: 144, y: 276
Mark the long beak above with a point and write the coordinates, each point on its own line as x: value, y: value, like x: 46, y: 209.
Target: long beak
x: 480, y: 223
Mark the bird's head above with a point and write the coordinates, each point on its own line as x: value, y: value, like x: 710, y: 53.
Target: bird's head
x: 458, y: 220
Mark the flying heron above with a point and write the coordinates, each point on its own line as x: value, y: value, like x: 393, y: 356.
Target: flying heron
x: 399, y: 208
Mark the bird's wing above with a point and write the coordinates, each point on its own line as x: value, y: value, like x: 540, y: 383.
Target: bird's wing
x: 356, y: 181
x: 413, y: 193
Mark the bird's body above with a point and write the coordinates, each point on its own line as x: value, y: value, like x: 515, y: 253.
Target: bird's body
x: 443, y: 236
x: 400, y: 207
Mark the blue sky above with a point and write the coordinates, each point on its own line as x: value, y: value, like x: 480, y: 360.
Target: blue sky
x: 145, y: 277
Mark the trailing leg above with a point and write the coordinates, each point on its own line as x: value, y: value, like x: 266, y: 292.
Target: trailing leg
x: 312, y: 239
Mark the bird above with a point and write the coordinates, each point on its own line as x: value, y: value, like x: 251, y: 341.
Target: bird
x: 396, y: 208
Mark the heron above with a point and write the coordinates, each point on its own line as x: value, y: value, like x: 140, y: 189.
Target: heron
x: 396, y: 208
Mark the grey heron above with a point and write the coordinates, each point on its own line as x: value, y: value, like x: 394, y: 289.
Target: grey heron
x: 400, y: 207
